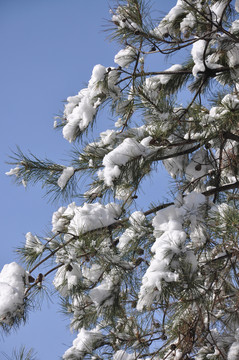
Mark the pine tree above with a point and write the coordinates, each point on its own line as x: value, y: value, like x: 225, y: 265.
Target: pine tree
x: 163, y: 283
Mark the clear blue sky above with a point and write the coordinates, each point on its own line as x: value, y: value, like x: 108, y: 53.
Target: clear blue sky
x: 48, y: 50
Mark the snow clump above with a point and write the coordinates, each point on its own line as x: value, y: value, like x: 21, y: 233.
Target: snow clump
x: 66, y: 278
x: 104, y: 294
x: 33, y: 243
x: 200, y: 48
x: 123, y: 355
x: 166, y: 25
x: 81, y: 109
x: 121, y: 18
x: 125, y: 56
x: 85, y: 343
x: 169, y: 247
x: 137, y: 220
x: 164, y: 78
x: 67, y: 173
x: 199, y: 165
x: 126, y: 151
x: 12, y: 289
x: 78, y: 220
x: 13, y: 171
x: 237, y: 5
x: 233, y: 353
x: 153, y: 83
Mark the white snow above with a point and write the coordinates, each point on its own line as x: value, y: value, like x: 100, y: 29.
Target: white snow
x: 231, y: 101
x: 233, y: 353
x: 77, y: 220
x: 123, y: 355
x: 234, y: 27
x: 80, y: 110
x: 33, y: 242
x: 187, y: 23
x: 233, y: 57
x: 107, y: 137
x: 67, y: 173
x: 13, y: 171
x: 214, y: 355
x: 126, y: 151
x: 93, y: 273
x: 103, y: 294
x: 198, y: 166
x: 123, y: 192
x: 197, y: 235
x: 152, y: 83
x: 200, y: 47
x: 136, y: 230
x: 66, y: 279
x: 167, y: 245
x: 126, y: 237
x: 165, y: 25
x: 137, y: 218
x: 122, y: 20
x: 12, y: 288
x: 177, y: 355
x: 202, y: 59
x: 170, y: 241
x: 237, y: 5
x: 164, y: 79
x: 59, y: 220
x: 217, y: 10
x: 84, y: 344
x: 198, y: 54
x: 176, y: 165
x: 125, y: 56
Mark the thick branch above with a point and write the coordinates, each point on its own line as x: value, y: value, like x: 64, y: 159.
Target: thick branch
x: 226, y: 187
x: 230, y: 136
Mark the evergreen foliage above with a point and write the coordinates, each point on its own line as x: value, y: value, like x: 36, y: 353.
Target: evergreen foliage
x: 21, y: 354
x: 163, y: 283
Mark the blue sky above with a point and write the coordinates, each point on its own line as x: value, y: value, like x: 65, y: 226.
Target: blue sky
x: 48, y: 50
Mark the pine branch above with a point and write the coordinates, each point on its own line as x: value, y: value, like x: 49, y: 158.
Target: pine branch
x: 213, y: 23
x: 120, y: 223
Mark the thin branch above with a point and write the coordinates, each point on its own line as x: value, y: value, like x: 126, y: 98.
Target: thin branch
x: 217, y: 25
